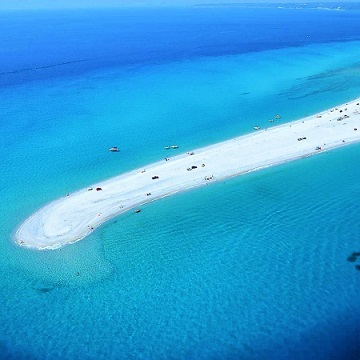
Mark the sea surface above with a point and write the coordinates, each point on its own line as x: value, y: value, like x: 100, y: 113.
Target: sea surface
x: 251, y: 268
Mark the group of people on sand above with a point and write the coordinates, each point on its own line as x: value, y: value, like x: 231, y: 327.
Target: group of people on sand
x: 207, y: 178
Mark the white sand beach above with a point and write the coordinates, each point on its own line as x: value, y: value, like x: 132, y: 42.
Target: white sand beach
x: 75, y: 216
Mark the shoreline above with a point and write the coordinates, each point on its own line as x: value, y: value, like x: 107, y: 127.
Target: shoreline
x: 73, y: 217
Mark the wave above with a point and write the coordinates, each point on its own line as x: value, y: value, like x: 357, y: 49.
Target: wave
x: 43, y: 67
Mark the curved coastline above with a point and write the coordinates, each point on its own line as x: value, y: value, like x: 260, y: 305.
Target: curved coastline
x: 73, y: 217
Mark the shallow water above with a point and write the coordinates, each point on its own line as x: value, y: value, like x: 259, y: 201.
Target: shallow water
x: 252, y: 268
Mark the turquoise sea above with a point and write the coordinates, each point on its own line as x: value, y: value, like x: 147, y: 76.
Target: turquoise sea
x: 251, y: 268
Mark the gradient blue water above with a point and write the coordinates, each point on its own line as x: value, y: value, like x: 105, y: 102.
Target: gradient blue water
x: 252, y: 268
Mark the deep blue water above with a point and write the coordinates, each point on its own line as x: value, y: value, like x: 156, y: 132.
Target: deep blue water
x: 48, y: 44
x: 253, y: 268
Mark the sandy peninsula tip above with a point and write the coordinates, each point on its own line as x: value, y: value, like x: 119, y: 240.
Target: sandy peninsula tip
x: 73, y: 217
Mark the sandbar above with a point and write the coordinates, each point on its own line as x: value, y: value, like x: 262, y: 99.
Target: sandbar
x: 73, y: 217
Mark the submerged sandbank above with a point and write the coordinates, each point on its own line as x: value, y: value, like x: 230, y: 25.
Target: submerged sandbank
x: 75, y: 216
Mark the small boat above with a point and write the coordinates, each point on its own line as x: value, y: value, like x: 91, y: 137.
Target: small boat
x: 277, y: 116
x: 137, y: 211
x: 114, y: 149
x: 166, y: 147
x: 256, y: 127
x: 174, y: 147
